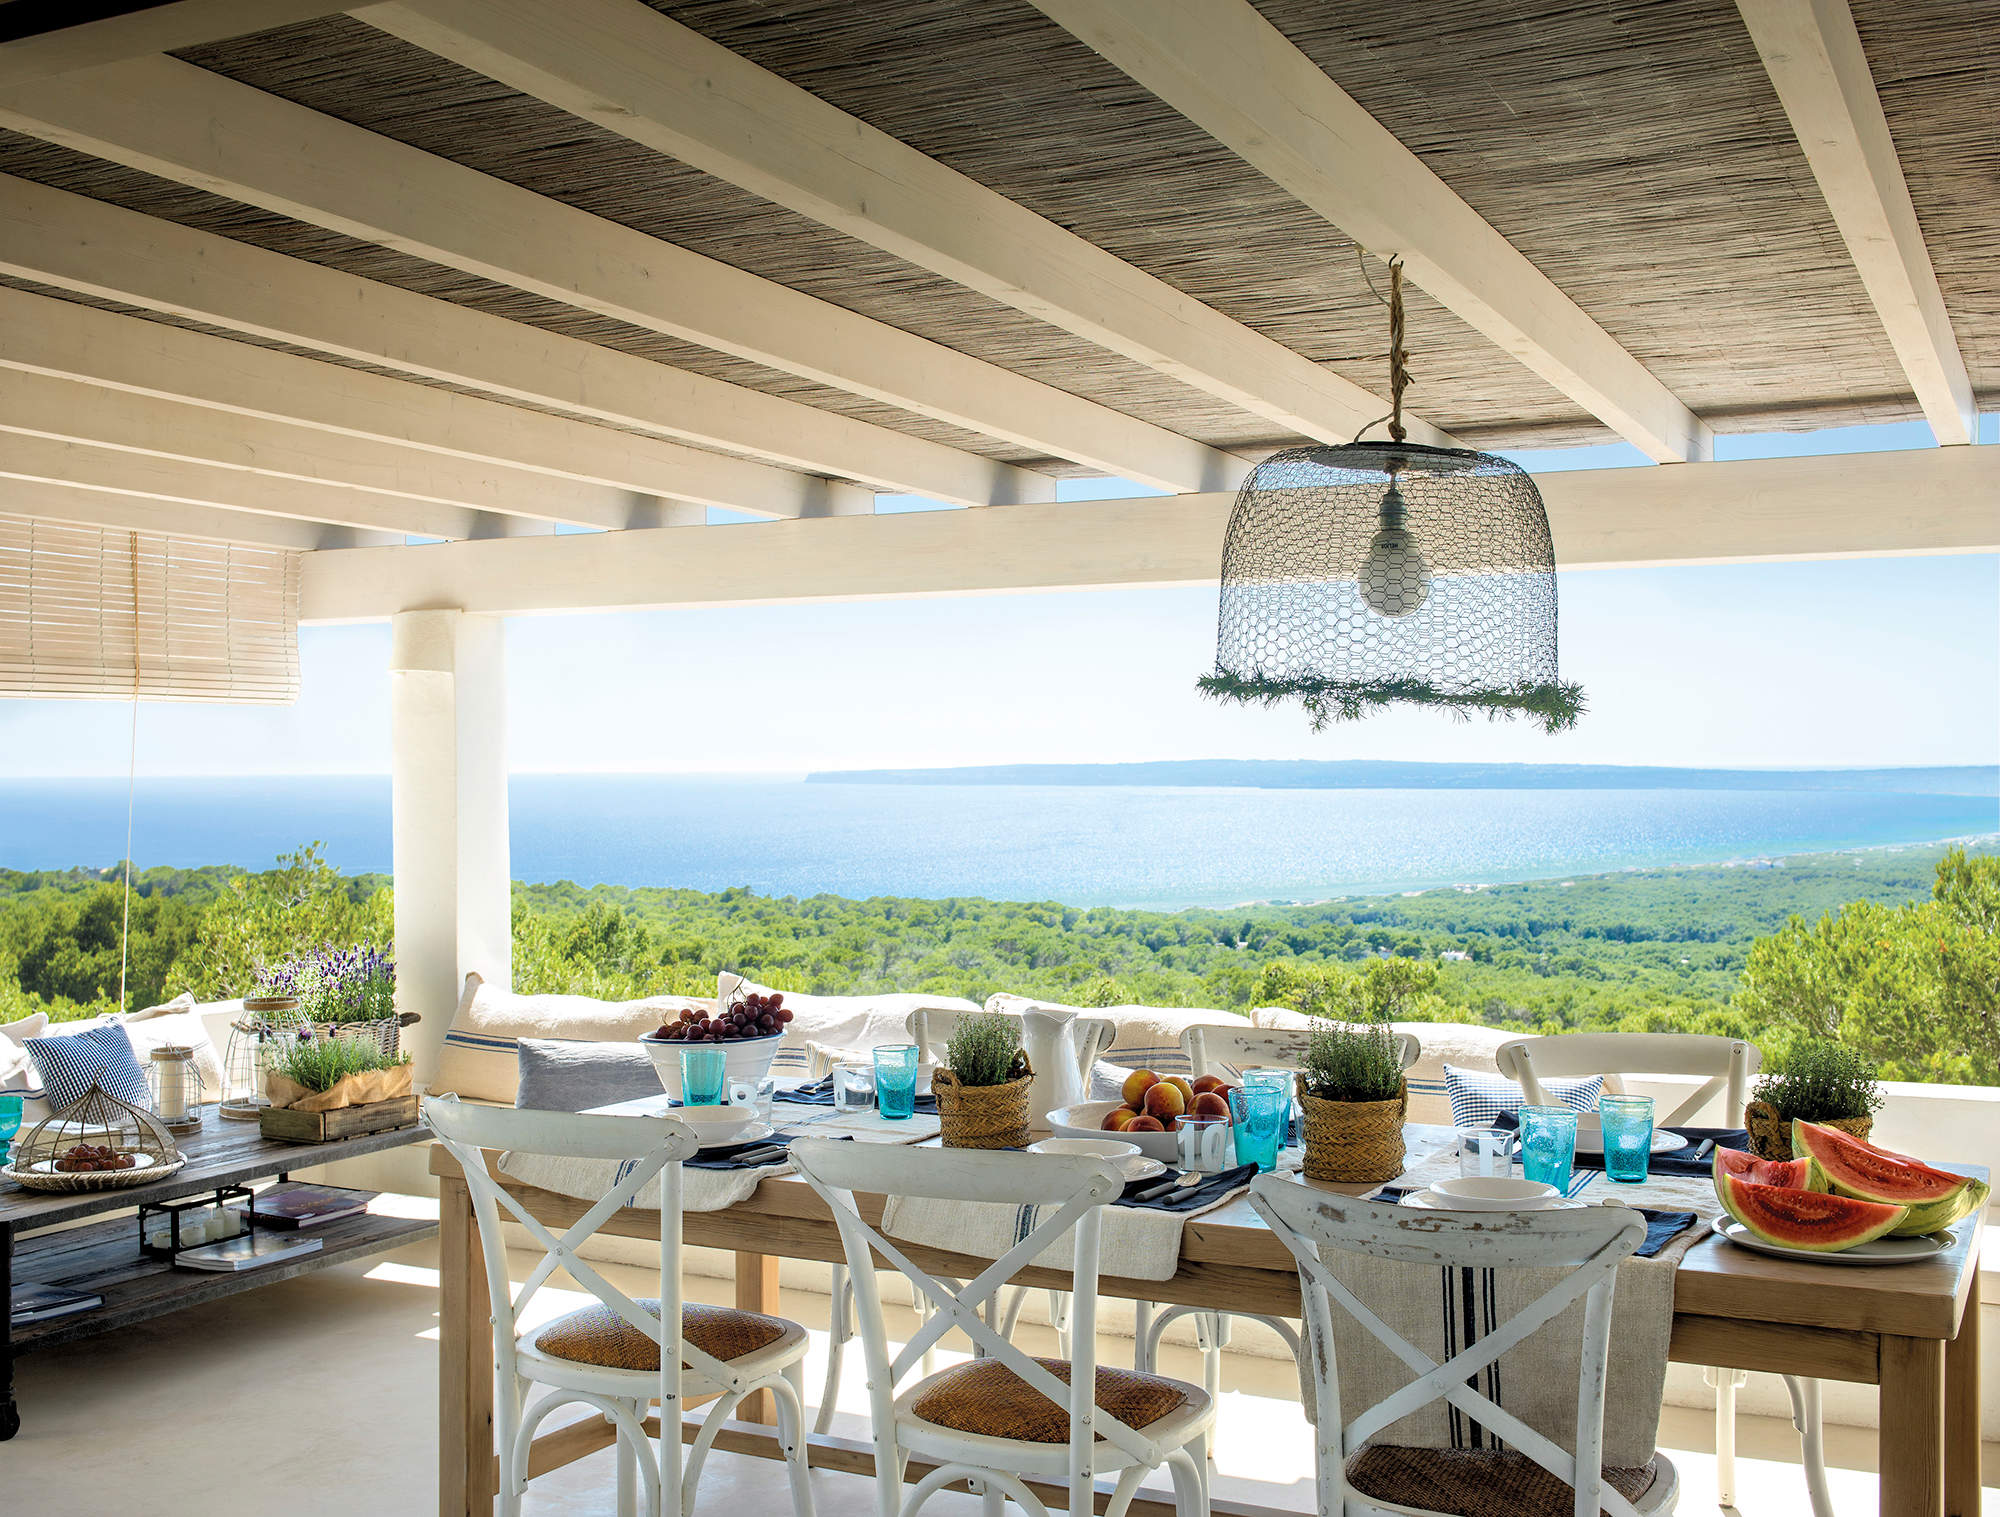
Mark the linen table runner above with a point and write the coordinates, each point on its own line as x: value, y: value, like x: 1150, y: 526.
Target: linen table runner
x: 708, y: 1189
x: 1135, y: 1242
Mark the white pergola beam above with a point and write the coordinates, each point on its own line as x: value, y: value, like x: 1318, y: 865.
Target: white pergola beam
x: 1857, y: 505
x: 92, y: 248
x: 44, y: 334
x: 127, y: 513
x: 1813, y: 54
x: 148, y: 476
x: 626, y: 68
x: 178, y: 122
x: 1227, y: 69
x: 147, y: 29
x: 62, y: 409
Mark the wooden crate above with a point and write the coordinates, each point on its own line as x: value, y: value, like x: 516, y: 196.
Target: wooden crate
x: 329, y: 1126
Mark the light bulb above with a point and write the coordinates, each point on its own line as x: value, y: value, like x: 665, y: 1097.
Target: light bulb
x: 1395, y: 577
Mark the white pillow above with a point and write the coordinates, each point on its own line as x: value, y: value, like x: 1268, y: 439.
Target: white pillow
x: 481, y: 1060
x: 176, y: 1022
x: 856, y: 1023
x: 28, y: 1027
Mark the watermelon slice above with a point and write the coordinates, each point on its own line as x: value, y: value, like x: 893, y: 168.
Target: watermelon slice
x: 1807, y: 1219
x: 1785, y: 1174
x: 1847, y: 1166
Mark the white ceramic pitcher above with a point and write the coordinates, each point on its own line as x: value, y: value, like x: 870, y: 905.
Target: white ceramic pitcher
x: 1049, y: 1037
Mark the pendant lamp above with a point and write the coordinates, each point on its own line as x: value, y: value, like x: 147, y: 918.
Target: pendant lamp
x: 1357, y: 576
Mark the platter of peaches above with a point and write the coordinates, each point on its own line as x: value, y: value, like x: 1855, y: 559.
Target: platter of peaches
x: 1148, y: 1112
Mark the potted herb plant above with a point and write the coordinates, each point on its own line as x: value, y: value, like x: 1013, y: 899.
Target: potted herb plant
x: 324, y: 1088
x: 342, y: 992
x: 1352, y: 1098
x: 1819, y: 1080
x: 982, y: 1090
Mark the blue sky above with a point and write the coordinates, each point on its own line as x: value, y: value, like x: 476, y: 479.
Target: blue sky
x: 1860, y: 661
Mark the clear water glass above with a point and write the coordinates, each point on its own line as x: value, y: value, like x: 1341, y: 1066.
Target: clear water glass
x: 1258, y: 1113
x: 1204, y: 1144
x: 896, y: 1080
x: 1284, y: 1082
x: 704, y: 1070
x: 1548, y: 1144
x: 1487, y: 1151
x: 854, y: 1087
x: 1628, y: 1137
x: 755, y: 1094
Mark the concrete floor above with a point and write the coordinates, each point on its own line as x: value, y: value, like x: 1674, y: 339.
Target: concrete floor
x: 318, y: 1396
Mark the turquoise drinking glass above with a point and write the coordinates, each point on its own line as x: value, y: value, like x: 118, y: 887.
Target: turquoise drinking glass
x: 704, y: 1072
x: 1628, y: 1137
x: 1284, y: 1082
x: 1548, y: 1144
x: 10, y: 1123
x: 896, y: 1080
x: 1258, y: 1113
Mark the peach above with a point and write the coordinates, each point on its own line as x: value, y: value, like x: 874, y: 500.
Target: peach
x: 1165, y: 1100
x: 1208, y: 1084
x: 1210, y: 1104
x: 1186, y: 1090
x: 1136, y: 1085
x: 1118, y: 1118
x: 1144, y: 1124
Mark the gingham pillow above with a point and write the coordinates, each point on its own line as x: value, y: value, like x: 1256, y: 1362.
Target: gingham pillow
x: 102, y: 1056
x: 1477, y: 1099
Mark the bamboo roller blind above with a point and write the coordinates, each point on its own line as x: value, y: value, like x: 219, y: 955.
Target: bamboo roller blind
x: 88, y: 613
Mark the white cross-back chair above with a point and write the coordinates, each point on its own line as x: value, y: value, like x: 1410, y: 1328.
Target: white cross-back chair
x: 1228, y: 1051
x: 929, y: 1028
x: 1726, y: 1067
x: 1588, y: 1243
x: 610, y: 1357
x: 1004, y: 1418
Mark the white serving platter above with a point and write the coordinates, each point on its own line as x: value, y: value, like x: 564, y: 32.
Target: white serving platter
x: 1881, y: 1251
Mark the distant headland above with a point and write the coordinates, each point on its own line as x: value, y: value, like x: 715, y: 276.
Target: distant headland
x: 1374, y: 774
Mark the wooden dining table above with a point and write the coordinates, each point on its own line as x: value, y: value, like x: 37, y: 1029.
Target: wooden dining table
x: 1912, y: 1329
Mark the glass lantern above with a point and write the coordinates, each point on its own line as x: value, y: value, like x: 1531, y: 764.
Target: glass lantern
x: 175, y: 1085
x: 251, y: 1042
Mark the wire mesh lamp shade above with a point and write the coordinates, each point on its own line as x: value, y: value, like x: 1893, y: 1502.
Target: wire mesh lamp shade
x: 1379, y: 572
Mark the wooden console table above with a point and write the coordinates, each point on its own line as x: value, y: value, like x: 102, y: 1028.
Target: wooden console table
x: 104, y: 1258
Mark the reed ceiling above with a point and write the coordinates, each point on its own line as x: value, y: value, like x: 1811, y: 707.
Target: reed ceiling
x: 1634, y: 150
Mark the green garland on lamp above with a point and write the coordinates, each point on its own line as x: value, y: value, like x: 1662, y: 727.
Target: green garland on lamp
x: 1557, y: 705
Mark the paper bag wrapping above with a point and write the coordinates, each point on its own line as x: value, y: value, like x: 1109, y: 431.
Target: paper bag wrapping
x: 350, y: 1090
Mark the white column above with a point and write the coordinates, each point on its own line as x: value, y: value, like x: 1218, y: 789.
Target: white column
x: 448, y: 707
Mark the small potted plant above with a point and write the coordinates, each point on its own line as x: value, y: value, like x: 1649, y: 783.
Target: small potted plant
x: 1819, y: 1080
x: 326, y: 1088
x: 341, y: 992
x: 1352, y: 1098
x: 982, y: 1090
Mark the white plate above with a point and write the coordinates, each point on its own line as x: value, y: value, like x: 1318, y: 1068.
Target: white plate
x: 1590, y: 1138
x: 750, y: 1134
x: 1881, y: 1251
x: 1492, y: 1193
x: 1423, y: 1200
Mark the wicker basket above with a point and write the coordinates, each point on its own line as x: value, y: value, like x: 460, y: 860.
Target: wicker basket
x: 1354, y: 1142
x: 386, y: 1033
x: 1771, y: 1134
x: 984, y: 1116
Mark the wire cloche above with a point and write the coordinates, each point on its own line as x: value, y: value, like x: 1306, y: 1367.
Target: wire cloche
x: 97, y: 1142
x: 1359, y: 575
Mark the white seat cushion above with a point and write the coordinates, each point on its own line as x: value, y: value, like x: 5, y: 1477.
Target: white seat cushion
x: 480, y: 1059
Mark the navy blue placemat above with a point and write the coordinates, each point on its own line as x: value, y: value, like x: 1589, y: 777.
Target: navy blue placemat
x: 730, y: 1155
x: 1675, y: 1161
x: 1662, y: 1227
x: 820, y: 1093
x: 1190, y: 1197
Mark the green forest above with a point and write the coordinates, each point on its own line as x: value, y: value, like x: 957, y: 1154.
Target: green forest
x: 1895, y: 951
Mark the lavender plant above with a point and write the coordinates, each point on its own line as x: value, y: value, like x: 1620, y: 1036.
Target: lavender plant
x: 334, y: 984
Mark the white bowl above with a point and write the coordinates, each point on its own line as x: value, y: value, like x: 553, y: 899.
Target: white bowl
x: 1113, y: 1149
x: 1491, y: 1193
x: 715, y: 1124
x: 1087, y: 1121
x: 748, y: 1058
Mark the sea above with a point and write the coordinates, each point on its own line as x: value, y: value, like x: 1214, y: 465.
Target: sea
x: 1160, y: 847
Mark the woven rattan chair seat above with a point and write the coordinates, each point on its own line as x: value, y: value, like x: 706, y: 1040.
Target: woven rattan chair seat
x: 596, y: 1335
x: 986, y: 1398
x: 1478, y: 1482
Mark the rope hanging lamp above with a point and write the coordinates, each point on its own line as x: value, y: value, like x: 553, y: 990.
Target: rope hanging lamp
x: 1357, y: 576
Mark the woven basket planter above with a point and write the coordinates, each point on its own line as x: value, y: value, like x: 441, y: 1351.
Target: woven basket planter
x: 1771, y: 1134
x: 1354, y: 1142
x: 984, y: 1116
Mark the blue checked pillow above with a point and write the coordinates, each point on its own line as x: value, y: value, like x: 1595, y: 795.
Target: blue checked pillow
x: 102, y: 1056
x: 1477, y: 1099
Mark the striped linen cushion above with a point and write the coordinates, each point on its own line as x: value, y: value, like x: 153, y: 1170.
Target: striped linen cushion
x: 1477, y: 1099
x: 102, y: 1056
